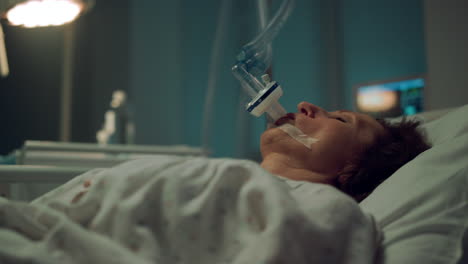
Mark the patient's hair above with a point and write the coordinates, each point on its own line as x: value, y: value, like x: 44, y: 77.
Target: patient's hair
x: 403, y: 142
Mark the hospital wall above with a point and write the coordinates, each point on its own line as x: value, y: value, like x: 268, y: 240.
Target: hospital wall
x: 446, y: 31
x: 380, y: 40
x: 159, y: 52
x: 181, y: 35
x: 324, y: 49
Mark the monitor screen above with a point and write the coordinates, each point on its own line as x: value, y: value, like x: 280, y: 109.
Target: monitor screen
x: 390, y: 98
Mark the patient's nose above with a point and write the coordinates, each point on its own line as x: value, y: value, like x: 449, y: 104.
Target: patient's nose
x: 309, y: 109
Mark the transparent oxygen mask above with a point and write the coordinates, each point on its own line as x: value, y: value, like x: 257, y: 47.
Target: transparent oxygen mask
x: 266, y: 100
x: 253, y: 61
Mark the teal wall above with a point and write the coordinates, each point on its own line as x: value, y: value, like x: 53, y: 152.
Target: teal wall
x: 171, y: 47
x: 160, y: 52
x: 155, y: 71
x: 170, y: 51
x: 200, y: 22
x: 381, y: 40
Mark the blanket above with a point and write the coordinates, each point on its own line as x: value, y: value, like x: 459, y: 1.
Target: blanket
x: 169, y: 209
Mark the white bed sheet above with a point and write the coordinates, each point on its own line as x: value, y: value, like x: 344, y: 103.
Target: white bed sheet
x: 181, y: 210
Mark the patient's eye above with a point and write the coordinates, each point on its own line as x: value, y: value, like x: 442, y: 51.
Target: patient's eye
x: 340, y: 119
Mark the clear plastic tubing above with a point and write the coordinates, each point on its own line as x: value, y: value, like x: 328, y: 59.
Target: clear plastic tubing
x: 254, y: 59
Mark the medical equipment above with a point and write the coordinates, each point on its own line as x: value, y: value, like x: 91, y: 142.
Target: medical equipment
x: 267, y: 100
x: 391, y: 98
x: 253, y: 60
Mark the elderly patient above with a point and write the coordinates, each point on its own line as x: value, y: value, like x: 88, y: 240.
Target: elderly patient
x: 196, y: 210
x: 354, y: 151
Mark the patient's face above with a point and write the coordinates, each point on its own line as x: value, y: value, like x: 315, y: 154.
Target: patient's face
x: 342, y: 136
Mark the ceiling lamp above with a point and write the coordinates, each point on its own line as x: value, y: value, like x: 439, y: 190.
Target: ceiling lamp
x: 42, y: 13
x: 37, y: 13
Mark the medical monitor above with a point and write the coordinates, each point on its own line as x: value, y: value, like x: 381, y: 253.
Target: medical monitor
x: 390, y: 98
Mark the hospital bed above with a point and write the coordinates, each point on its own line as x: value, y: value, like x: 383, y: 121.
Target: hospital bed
x: 422, y: 209
x: 39, y: 166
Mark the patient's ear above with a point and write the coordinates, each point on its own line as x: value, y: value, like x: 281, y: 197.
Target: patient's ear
x: 345, y: 181
x: 345, y: 174
x: 355, y: 181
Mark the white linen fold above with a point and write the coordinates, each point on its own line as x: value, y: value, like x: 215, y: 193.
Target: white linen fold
x: 187, y: 210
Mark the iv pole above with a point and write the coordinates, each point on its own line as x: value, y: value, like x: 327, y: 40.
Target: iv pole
x: 67, y: 83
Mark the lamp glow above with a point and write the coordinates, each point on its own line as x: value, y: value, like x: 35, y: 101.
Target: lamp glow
x: 41, y: 13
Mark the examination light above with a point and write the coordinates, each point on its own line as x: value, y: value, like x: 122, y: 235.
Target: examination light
x: 42, y: 13
x: 37, y: 13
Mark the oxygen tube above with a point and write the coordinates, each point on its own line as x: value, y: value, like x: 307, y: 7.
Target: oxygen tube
x: 252, y: 62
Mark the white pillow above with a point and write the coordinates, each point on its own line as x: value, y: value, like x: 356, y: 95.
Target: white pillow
x: 423, y: 207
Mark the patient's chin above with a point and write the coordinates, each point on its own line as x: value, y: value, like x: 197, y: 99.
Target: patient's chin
x: 271, y: 135
x: 275, y: 140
